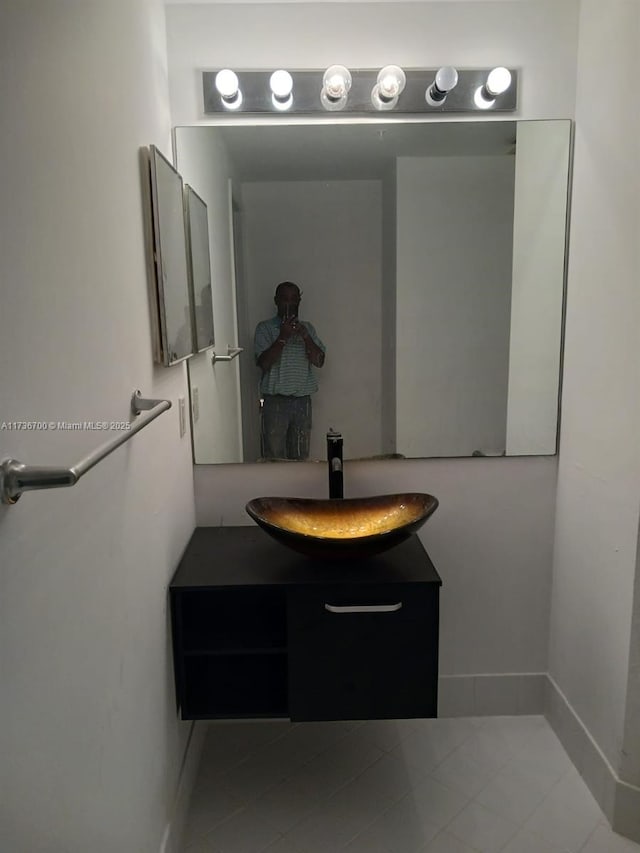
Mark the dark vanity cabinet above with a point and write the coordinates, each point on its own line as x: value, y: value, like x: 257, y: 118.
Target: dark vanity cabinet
x: 259, y: 631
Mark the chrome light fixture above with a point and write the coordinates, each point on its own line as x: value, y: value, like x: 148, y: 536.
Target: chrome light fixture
x: 498, y: 81
x: 281, y: 84
x: 340, y: 91
x: 229, y: 89
x: 336, y: 83
x: 389, y: 86
x: 445, y: 80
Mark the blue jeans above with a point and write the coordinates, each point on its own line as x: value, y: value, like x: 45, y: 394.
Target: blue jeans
x: 285, y: 427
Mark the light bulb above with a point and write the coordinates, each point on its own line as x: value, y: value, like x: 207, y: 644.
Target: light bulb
x: 445, y: 80
x: 281, y: 83
x: 498, y: 81
x: 228, y: 88
x: 391, y: 82
x: 336, y: 83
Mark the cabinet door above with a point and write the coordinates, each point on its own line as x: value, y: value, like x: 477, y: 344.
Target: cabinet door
x: 363, y: 652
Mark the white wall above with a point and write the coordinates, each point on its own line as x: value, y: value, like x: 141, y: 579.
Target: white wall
x: 90, y: 744
x: 326, y: 237
x: 539, y: 36
x: 599, y: 470
x: 541, y: 39
x: 454, y: 236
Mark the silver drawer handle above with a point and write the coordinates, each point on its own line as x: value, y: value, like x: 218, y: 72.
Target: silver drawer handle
x: 363, y: 608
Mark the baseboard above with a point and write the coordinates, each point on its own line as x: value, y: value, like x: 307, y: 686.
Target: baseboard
x: 619, y: 801
x: 506, y: 694
x: 172, y: 838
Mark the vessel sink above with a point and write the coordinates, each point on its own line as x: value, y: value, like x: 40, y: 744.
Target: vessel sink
x: 343, y: 527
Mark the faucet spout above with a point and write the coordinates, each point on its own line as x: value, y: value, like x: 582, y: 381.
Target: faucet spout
x: 334, y: 458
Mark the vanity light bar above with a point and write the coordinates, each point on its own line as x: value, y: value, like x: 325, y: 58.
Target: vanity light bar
x: 421, y: 92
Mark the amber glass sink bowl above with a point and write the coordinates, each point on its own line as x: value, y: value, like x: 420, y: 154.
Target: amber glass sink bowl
x: 344, y: 527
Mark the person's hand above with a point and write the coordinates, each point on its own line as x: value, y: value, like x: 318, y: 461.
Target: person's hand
x: 291, y: 327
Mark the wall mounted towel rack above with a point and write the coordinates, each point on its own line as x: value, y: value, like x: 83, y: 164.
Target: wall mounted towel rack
x: 16, y: 477
x: 232, y: 352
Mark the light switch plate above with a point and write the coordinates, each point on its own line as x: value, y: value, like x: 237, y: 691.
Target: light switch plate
x: 182, y: 416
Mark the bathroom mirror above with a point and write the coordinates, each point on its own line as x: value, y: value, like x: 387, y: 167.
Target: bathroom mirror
x: 173, y: 307
x: 197, y: 225
x: 431, y: 257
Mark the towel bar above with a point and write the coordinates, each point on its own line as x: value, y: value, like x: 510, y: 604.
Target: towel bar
x: 16, y: 477
x: 232, y: 352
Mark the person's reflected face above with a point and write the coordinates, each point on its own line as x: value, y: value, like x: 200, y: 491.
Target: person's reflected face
x: 287, y: 300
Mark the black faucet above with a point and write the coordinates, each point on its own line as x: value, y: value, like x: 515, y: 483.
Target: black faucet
x: 334, y: 458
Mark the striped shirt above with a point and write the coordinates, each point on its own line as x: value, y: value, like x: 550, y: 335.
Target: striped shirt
x: 292, y: 374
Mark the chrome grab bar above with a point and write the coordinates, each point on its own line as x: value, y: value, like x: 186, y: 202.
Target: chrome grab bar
x: 16, y: 477
x: 363, y: 608
x: 232, y: 352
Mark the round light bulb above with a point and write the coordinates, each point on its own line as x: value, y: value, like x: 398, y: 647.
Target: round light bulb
x: 336, y: 81
x: 391, y: 82
x: 498, y: 81
x: 228, y: 87
x: 446, y: 78
x: 227, y: 83
x: 281, y: 83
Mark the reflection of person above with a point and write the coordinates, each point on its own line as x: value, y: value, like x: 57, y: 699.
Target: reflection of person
x: 287, y: 350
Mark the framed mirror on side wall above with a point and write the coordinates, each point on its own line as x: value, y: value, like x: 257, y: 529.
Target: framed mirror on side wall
x: 197, y: 230
x: 430, y: 258
x: 173, y: 307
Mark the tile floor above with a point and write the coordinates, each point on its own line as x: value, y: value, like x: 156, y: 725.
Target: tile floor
x: 404, y: 786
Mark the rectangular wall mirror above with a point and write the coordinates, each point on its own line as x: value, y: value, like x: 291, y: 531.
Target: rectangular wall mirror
x: 197, y: 225
x: 431, y: 258
x: 173, y: 307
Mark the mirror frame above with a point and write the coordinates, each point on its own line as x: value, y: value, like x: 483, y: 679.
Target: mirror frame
x: 164, y: 222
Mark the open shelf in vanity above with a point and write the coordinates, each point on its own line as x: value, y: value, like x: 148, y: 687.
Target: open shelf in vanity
x: 259, y: 631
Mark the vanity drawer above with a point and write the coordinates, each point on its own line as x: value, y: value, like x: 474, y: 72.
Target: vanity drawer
x: 363, y: 651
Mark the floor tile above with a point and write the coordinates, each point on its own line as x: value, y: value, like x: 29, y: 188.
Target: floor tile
x: 482, y: 829
x: 436, y: 802
x: 604, y: 840
x: 367, y: 842
x: 282, y: 845
x: 428, y: 747
x: 404, y: 826
x: 209, y: 806
x: 285, y: 805
x: 387, y: 734
x: 386, y: 781
x: 513, y: 798
x: 527, y: 842
x: 458, y: 785
x: 328, y: 828
x: 244, y: 832
x: 539, y: 778
x: 560, y: 824
x: 201, y: 846
x: 444, y: 842
x: 353, y: 754
x: 464, y: 774
x: 573, y: 792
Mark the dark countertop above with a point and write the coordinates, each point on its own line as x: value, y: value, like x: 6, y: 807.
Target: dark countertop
x: 247, y: 556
